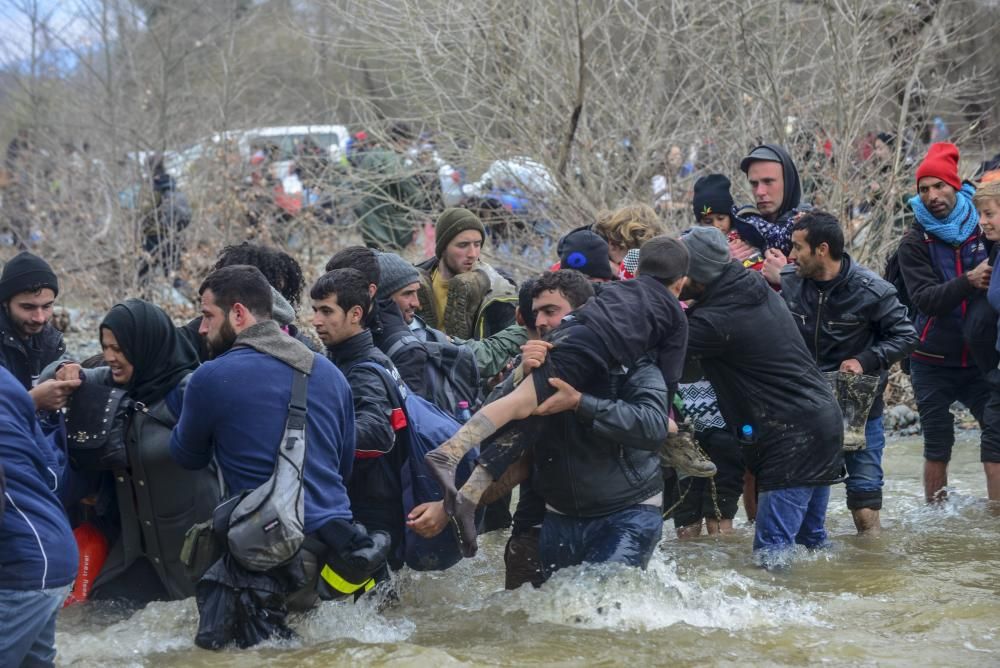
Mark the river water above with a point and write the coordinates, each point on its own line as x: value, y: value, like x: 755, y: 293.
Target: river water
x: 927, y: 592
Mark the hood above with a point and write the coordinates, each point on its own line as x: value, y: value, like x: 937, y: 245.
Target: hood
x: 737, y: 285
x: 266, y: 337
x: 281, y: 310
x: 793, y: 187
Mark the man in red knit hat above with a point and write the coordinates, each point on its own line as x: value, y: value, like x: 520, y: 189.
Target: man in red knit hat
x: 943, y: 261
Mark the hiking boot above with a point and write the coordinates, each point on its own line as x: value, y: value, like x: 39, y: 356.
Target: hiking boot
x: 682, y: 454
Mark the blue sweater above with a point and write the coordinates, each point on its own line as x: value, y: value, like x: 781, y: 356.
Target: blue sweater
x: 236, y: 405
x: 37, y: 548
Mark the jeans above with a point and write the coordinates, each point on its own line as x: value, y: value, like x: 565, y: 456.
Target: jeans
x: 786, y: 517
x: 864, y: 469
x: 935, y: 388
x: 28, y: 626
x: 626, y: 537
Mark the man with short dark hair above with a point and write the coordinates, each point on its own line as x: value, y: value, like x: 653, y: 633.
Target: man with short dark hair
x: 770, y: 392
x: 852, y: 321
x: 340, y: 301
x: 236, y: 406
x: 28, y: 341
x: 944, y: 264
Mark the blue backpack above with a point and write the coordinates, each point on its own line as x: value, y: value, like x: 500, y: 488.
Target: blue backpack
x: 420, y: 428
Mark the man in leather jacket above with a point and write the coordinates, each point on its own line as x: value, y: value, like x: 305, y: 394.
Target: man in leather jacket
x: 852, y: 321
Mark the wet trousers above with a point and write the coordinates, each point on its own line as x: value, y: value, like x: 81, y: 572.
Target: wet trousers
x: 28, y: 626
x: 626, y: 537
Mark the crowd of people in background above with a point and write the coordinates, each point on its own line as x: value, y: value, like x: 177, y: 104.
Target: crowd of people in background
x: 667, y: 378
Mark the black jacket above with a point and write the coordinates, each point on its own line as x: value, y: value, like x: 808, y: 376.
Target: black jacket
x: 25, y: 358
x: 750, y: 349
x: 387, y: 328
x: 375, y: 488
x: 156, y: 502
x: 604, y: 457
x: 858, y: 315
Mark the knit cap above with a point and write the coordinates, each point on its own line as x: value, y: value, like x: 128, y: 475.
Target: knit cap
x: 711, y: 195
x: 25, y: 273
x: 453, y: 222
x: 709, y: 253
x: 586, y: 252
x: 664, y: 258
x: 941, y: 162
x: 395, y: 273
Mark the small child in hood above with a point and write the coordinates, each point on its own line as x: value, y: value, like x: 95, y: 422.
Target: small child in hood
x: 713, y: 205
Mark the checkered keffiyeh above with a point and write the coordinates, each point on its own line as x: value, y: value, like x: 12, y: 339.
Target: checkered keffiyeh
x: 629, y: 265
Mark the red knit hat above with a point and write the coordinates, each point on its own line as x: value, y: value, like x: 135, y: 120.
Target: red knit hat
x: 941, y: 162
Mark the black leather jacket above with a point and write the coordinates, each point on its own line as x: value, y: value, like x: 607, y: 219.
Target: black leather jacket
x: 857, y: 316
x: 604, y: 457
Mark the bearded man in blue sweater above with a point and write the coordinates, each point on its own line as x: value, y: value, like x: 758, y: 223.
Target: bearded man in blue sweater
x: 236, y: 406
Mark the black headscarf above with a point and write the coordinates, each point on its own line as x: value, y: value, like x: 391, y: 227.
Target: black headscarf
x: 150, y: 342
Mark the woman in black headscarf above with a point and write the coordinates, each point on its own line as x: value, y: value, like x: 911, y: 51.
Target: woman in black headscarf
x: 156, y: 500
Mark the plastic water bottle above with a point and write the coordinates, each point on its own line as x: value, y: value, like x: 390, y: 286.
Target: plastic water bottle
x: 464, y: 414
x: 746, y: 435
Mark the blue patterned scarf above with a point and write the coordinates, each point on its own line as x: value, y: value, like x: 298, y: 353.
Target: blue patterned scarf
x: 959, y: 224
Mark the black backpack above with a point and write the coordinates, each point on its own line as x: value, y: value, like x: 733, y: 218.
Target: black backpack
x: 451, y: 374
x: 895, y: 276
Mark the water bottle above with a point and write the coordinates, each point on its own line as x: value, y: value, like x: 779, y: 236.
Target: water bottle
x: 463, y: 413
x: 746, y: 435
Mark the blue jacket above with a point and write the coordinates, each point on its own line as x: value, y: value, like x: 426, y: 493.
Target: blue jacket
x: 236, y: 406
x: 37, y: 548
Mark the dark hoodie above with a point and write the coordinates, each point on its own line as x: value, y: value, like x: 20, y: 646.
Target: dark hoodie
x: 751, y: 351
x: 777, y: 233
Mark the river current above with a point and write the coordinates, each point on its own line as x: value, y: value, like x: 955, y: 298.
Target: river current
x: 927, y: 592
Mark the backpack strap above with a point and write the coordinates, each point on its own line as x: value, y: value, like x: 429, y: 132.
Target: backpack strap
x: 402, y: 342
x: 397, y: 396
x: 297, y: 403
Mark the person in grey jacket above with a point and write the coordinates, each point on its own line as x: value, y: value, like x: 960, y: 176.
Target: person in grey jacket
x: 852, y: 321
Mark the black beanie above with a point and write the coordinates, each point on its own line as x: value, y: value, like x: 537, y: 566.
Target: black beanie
x: 711, y: 195
x: 26, y: 273
x: 451, y: 223
x: 586, y: 252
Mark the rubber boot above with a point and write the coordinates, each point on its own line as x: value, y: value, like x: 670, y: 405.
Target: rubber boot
x: 866, y: 521
x: 855, y: 394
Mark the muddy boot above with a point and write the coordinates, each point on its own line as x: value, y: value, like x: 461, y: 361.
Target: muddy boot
x: 463, y: 521
x: 857, y: 394
x: 866, y: 521
x: 681, y: 453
